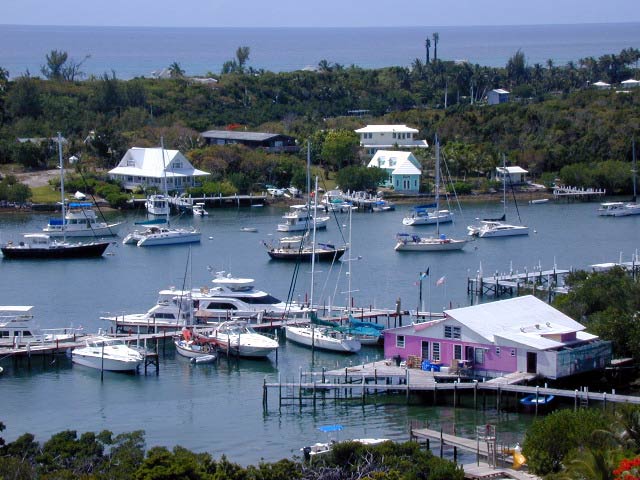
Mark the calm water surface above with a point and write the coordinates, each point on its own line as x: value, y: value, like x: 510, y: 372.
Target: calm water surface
x: 219, y: 408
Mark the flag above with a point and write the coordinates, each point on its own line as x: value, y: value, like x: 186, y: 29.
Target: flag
x: 440, y: 281
x: 424, y: 274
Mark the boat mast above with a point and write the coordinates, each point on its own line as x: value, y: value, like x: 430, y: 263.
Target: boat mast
x: 313, y: 243
x: 64, y: 227
x: 164, y: 179
x: 634, y: 168
x: 504, y: 187
x: 437, y: 187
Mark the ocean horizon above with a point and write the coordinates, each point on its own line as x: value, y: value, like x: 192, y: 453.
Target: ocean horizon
x: 139, y: 51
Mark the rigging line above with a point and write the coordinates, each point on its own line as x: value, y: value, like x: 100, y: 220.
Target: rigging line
x: 335, y: 214
x: 184, y: 282
x: 453, y: 187
x: 515, y: 201
x: 95, y: 202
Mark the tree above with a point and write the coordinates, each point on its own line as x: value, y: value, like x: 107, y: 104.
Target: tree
x: 517, y: 68
x: 60, y: 67
x: 436, y: 39
x: 339, y: 148
x: 175, y: 71
x: 242, y: 55
x: 357, y: 178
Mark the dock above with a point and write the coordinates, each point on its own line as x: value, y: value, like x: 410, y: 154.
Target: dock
x: 358, y: 383
x: 186, y: 203
x: 515, y: 284
x: 577, y: 193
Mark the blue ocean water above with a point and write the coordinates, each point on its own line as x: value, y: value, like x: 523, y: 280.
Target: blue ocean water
x: 138, y: 51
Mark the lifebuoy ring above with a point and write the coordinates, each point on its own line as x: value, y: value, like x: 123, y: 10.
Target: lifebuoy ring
x: 206, y: 348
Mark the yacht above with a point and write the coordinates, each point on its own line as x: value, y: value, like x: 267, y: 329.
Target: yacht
x: 322, y: 338
x: 294, y: 248
x: 155, y: 235
x: 158, y: 205
x: 80, y: 220
x: 41, y: 246
x: 618, y: 209
x: 493, y: 228
x: 299, y: 219
x: 239, y: 338
x: 105, y: 353
x: 17, y: 326
x: 198, y: 210
x: 427, y: 215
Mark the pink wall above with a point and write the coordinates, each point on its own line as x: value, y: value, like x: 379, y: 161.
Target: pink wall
x: 504, y: 362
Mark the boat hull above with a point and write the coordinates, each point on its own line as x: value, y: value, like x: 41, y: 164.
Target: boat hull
x: 187, y: 350
x: 168, y: 239
x: 511, y: 232
x: 305, y: 336
x: 429, y: 219
x: 305, y: 256
x: 435, y: 246
x: 90, y: 250
x: 105, y: 231
x: 110, y: 365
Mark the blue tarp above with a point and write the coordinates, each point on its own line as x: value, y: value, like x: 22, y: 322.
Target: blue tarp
x: 330, y: 428
x: 424, y: 207
x: 55, y: 221
x: 81, y: 204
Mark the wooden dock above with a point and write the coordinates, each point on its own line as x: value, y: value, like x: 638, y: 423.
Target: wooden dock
x: 384, y: 377
x: 186, y: 203
x: 577, y: 193
x: 517, y: 283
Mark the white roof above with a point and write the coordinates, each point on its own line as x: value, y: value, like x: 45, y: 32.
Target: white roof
x: 386, y: 128
x: 601, y: 84
x: 500, y: 90
x: 526, y: 320
x: 15, y: 308
x: 511, y: 170
x: 402, y: 163
x: 631, y: 81
x: 150, y: 162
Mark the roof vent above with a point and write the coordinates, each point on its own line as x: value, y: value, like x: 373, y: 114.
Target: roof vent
x: 538, y: 326
x: 548, y: 324
x: 522, y: 329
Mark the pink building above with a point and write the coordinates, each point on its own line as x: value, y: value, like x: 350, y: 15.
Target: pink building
x: 520, y: 334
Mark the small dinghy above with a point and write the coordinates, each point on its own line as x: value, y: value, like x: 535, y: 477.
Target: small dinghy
x: 204, y: 359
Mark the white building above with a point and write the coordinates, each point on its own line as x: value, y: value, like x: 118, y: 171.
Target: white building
x: 631, y: 83
x: 602, y: 85
x: 498, y: 95
x: 384, y: 137
x: 403, y: 168
x: 147, y: 167
x: 515, y: 176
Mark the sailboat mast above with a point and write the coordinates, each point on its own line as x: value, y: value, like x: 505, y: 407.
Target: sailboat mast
x: 313, y: 243
x: 164, y: 179
x: 635, y: 168
x: 504, y: 186
x: 64, y: 227
x: 349, y: 271
x: 437, y: 186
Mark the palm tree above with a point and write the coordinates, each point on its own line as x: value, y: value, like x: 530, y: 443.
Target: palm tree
x: 427, y: 44
x: 436, y: 37
x: 175, y: 71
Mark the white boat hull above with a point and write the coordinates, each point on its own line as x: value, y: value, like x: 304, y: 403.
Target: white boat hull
x: 443, y: 216
x: 109, y: 364
x: 302, y: 225
x: 103, y: 231
x: 252, y: 346
x: 189, y: 350
x: 169, y: 238
x: 431, y: 245
x: 309, y: 336
x: 505, y: 232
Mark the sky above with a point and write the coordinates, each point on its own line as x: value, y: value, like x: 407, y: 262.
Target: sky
x: 318, y: 13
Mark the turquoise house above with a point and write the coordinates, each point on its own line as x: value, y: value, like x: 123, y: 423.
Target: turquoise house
x: 403, y: 168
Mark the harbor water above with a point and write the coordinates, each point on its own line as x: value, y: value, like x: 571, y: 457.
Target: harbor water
x: 218, y: 408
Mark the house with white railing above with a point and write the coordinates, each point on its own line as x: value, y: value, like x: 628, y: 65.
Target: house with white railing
x: 387, y: 137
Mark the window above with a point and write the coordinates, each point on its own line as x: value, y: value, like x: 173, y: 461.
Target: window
x: 425, y: 350
x: 393, y: 134
x: 452, y: 332
x: 457, y: 352
x: 513, y: 352
x: 436, y: 352
x: 478, y: 356
x: 497, y: 351
x: 400, y: 341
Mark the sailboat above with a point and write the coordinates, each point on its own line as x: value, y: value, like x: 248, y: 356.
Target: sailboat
x: 162, y: 235
x: 498, y: 227
x: 320, y: 334
x: 622, y: 209
x: 439, y: 243
x: 41, y: 245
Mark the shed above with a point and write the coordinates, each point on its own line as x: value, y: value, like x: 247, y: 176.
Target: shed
x: 515, y: 175
x: 497, y: 95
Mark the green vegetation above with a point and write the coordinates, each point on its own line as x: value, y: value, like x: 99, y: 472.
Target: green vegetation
x: 554, y: 123
x: 107, y: 456
x: 607, y: 303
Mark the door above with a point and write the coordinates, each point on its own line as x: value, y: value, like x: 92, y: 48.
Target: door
x: 532, y: 362
x: 425, y: 350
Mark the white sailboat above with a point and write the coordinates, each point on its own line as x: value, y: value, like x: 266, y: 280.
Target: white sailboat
x: 163, y: 235
x: 439, y: 242
x: 498, y: 227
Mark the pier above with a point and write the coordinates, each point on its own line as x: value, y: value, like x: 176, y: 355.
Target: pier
x: 186, y: 203
x: 517, y: 283
x: 577, y: 193
x: 357, y: 383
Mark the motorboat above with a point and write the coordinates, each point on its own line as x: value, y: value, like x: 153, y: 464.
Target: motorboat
x: 321, y: 448
x: 80, y: 220
x: 249, y: 229
x: 618, y: 209
x: 299, y: 219
x: 42, y: 246
x: 17, y: 325
x: 537, y: 201
x: 334, y: 201
x: 533, y: 400
x: 498, y: 227
x: 415, y: 243
x: 198, y: 210
x: 427, y: 215
x: 491, y: 228
x: 239, y: 338
x: 322, y: 338
x: 105, y: 353
x: 382, y: 206
x: 158, y: 205
x: 173, y: 310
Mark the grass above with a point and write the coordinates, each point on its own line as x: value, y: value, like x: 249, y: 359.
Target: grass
x: 45, y: 194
